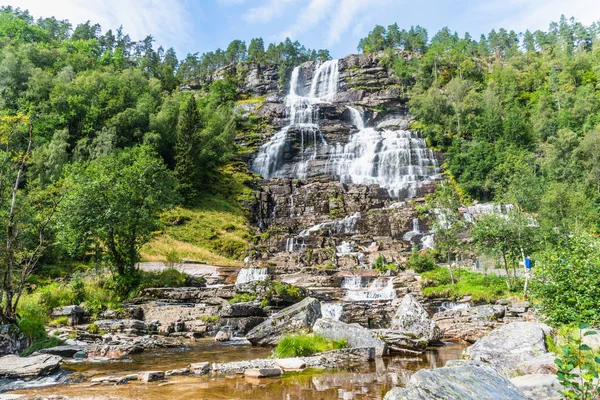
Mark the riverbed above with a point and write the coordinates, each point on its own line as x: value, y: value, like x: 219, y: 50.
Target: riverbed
x: 370, y: 381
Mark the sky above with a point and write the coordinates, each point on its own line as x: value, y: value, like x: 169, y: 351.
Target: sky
x: 191, y: 26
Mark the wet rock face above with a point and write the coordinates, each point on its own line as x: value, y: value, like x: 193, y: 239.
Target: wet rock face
x: 300, y: 316
x: 412, y: 320
x: 467, y: 381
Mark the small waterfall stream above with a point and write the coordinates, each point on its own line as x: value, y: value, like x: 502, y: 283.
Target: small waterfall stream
x: 251, y: 275
x: 359, y: 288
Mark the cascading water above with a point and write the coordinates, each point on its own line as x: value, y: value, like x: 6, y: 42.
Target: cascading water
x: 302, y: 114
x: 251, y: 275
x: 343, y: 226
x: 398, y: 161
x: 332, y: 310
x: 360, y: 288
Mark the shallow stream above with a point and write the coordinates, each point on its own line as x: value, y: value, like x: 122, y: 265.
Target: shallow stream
x: 370, y: 381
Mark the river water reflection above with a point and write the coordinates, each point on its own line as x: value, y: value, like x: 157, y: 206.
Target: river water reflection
x: 369, y: 381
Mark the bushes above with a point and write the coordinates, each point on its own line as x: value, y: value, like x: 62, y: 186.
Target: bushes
x: 382, y: 266
x: 303, y: 345
x: 421, y: 262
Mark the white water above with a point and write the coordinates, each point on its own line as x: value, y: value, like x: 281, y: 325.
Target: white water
x: 302, y: 114
x: 343, y: 226
x: 332, y: 310
x: 474, y: 211
x: 397, y: 160
x: 416, y: 230
x: 360, y: 289
x: 251, y: 275
x: 453, y: 306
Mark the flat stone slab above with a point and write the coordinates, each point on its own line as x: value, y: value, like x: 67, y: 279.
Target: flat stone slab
x: 263, y: 372
x: 13, y: 366
x: 63, y: 351
x: 151, y: 376
x: 539, y: 386
x: 201, y: 368
x: 290, y: 364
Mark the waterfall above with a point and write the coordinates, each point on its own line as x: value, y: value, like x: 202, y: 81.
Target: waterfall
x: 251, y: 275
x: 416, y: 230
x: 453, y: 306
x: 332, y: 310
x: 360, y: 289
x: 290, y: 244
x: 357, y: 119
x: 302, y: 115
x: 395, y: 160
x: 343, y: 226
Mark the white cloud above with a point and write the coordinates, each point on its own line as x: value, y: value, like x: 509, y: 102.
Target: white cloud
x: 266, y: 13
x: 309, y: 17
x: 346, y: 16
x: 167, y: 21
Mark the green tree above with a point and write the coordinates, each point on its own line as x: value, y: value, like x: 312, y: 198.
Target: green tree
x: 113, y: 204
x: 187, y: 162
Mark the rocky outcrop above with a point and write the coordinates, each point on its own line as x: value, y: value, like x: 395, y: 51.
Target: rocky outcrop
x: 12, y: 341
x: 112, y: 351
x: 354, y: 334
x: 398, y: 342
x: 469, y: 381
x: 63, y: 351
x: 13, y: 366
x: 510, y: 345
x: 539, y: 386
x: 300, y: 316
x: 472, y: 323
x: 75, y: 314
x: 412, y: 320
x: 129, y: 326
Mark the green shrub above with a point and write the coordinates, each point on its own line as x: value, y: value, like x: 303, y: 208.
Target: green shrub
x: 93, y: 329
x: 421, y: 262
x: 209, y: 318
x: 243, y: 298
x: 60, y: 321
x: 303, y: 345
x: 382, y: 266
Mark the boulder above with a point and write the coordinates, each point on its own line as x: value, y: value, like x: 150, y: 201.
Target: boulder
x: 177, y: 372
x: 412, y: 320
x: 592, y: 340
x: 223, y: 336
x: 112, y: 351
x: 300, y: 316
x: 398, y: 342
x: 290, y: 364
x: 510, y: 345
x: 263, y: 372
x: 539, y: 386
x: 75, y: 314
x: 354, y: 334
x: 63, y: 351
x: 201, y: 368
x: 151, y: 376
x: 248, y: 309
x: 13, y: 366
x: 12, y: 341
x: 131, y: 326
x: 543, y: 364
x: 468, y: 381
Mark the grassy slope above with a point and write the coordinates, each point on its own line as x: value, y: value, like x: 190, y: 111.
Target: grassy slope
x: 216, y: 231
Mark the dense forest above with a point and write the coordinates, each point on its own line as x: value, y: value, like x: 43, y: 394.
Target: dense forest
x: 517, y: 115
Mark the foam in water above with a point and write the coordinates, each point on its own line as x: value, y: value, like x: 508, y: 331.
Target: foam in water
x: 453, y: 306
x: 332, y: 310
x: 251, y: 275
x: 343, y: 226
x: 359, y: 288
x: 395, y: 160
x: 302, y: 114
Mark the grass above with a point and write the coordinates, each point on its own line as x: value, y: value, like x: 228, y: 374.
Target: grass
x: 481, y: 288
x: 40, y: 344
x: 242, y: 298
x: 303, y: 345
x: 216, y: 231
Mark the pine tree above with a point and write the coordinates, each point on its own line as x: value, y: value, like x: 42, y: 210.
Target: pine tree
x: 186, y: 151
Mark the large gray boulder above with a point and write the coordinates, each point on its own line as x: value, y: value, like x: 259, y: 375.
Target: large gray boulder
x: 508, y: 346
x: 412, y: 320
x: 539, y: 386
x: 468, y: 381
x: 12, y: 341
x: 300, y: 316
x: 354, y: 334
x: 75, y: 314
x: 13, y: 366
x: 398, y: 342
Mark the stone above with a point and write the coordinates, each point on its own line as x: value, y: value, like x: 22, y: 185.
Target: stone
x: 239, y: 367
x: 510, y: 345
x: 354, y: 334
x: 177, y: 372
x: 13, y: 366
x: 300, y: 316
x: 398, y: 342
x: 290, y: 364
x: 470, y: 324
x: 543, y: 364
x: 130, y: 326
x: 539, y: 386
x: 412, y: 320
x: 343, y: 357
x: 223, y: 336
x: 247, y: 309
x: 469, y: 381
x: 63, y: 351
x: 201, y: 368
x: 592, y: 340
x: 12, y: 341
x: 263, y: 372
x: 76, y: 315
x: 80, y: 355
x: 112, y: 351
x: 151, y: 376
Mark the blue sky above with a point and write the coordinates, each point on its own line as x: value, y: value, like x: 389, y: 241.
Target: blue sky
x: 203, y: 25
